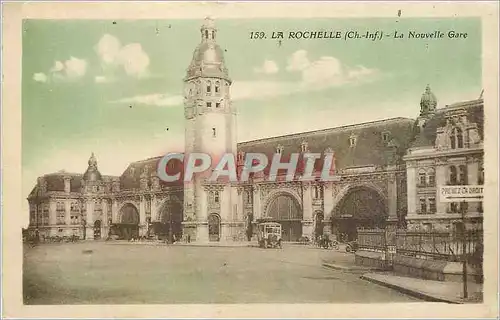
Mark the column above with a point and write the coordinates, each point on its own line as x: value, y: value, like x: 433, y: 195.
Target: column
x: 52, y: 213
x: 153, y: 208
x: 239, y: 203
x: 67, y: 210
x: 256, y: 203
x: 441, y: 180
x: 142, y: 216
x: 307, y: 210
x: 472, y: 175
x: 202, y: 226
x: 392, y: 197
x: 114, y: 211
x: 411, y: 187
x: 90, y: 219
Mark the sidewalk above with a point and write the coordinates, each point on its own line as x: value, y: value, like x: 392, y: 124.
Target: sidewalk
x: 339, y: 260
x: 184, y: 244
x: 429, y: 290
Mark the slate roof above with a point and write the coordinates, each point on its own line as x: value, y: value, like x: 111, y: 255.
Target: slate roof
x: 131, y: 177
x: 55, y: 181
x: 427, y: 135
x: 369, y: 149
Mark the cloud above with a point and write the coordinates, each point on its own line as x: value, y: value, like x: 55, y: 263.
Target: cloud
x: 268, y: 67
x: 40, y: 77
x: 298, y: 61
x: 327, y: 71
x: 75, y: 68
x: 155, y: 99
x: 58, y: 66
x: 71, y: 69
x: 103, y: 79
x: 131, y: 57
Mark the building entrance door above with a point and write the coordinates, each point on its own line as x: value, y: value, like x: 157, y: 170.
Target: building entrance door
x: 214, y: 227
x: 97, y: 229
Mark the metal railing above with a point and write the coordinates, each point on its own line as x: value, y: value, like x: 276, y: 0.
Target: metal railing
x: 372, y: 239
x: 439, y: 245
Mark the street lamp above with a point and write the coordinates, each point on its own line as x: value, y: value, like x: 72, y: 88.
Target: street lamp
x: 464, y: 248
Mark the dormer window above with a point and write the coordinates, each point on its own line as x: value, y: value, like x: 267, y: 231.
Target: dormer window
x: 304, y: 146
x: 386, y: 136
x: 352, y: 140
x: 456, y: 138
x: 279, y: 149
x: 240, y: 156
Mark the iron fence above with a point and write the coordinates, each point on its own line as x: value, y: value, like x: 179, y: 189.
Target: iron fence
x: 372, y: 239
x: 441, y: 245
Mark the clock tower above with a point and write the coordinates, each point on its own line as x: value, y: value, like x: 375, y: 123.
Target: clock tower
x: 210, y: 128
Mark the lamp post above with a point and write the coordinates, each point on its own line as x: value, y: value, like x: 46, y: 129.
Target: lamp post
x: 464, y: 248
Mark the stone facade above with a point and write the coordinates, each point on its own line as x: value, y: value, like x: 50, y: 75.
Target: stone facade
x: 374, y: 184
x: 447, y: 150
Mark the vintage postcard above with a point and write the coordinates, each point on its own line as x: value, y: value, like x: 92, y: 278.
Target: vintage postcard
x: 250, y: 159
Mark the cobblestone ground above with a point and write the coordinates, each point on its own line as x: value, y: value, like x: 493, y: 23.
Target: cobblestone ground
x: 104, y: 273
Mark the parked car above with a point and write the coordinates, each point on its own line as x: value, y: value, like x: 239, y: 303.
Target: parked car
x: 269, y: 235
x: 352, y: 246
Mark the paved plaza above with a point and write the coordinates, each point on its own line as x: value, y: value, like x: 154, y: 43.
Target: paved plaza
x: 113, y: 273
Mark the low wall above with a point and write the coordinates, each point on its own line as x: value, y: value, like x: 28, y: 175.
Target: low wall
x: 433, y: 269
x: 371, y: 259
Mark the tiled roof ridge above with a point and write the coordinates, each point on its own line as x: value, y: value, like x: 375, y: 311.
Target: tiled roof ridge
x: 145, y: 160
x: 461, y: 104
x: 62, y: 173
x: 327, y: 130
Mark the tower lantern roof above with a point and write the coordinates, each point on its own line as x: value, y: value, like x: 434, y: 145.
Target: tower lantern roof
x: 428, y: 102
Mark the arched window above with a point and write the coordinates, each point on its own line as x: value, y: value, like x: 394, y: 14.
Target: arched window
x: 463, y: 175
x: 216, y: 197
x: 303, y: 146
x: 453, y: 175
x: 460, y: 138
x: 456, y: 138
x: 279, y: 149
x: 206, y: 34
x: 421, y: 178
x: 321, y: 193
x: 217, y: 87
x: 431, y: 178
x: 209, y: 86
x: 213, y: 34
x: 316, y: 192
x: 423, y: 206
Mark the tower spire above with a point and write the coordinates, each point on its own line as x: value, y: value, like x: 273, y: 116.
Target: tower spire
x: 208, y: 30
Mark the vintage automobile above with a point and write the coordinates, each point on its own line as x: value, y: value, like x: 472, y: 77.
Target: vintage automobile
x: 269, y: 234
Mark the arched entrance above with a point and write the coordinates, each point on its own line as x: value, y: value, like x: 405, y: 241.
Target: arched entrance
x: 213, y: 227
x: 128, y: 227
x: 361, y: 207
x: 285, y: 209
x: 97, y: 229
x: 170, y: 221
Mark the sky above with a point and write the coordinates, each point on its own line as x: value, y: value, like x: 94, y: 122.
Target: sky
x: 114, y: 87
